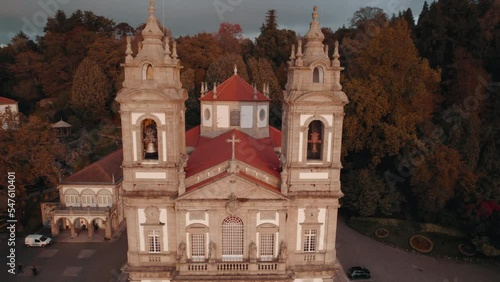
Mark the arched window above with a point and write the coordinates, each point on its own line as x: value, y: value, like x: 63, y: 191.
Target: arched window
x: 104, y: 198
x: 318, y: 75
x: 315, y: 140
x: 150, y: 139
x: 88, y: 198
x: 197, y: 240
x: 148, y: 72
x: 232, y: 239
x: 71, y: 198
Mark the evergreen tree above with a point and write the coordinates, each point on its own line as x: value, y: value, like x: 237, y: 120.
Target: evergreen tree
x: 88, y: 100
x: 274, y: 44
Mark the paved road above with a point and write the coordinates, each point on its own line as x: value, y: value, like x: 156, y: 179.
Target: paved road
x: 100, y: 262
x: 388, y: 264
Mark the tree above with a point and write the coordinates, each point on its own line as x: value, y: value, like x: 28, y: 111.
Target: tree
x: 223, y: 68
x: 391, y: 90
x: 27, y: 71
x: 367, y: 14
x: 192, y: 104
x: 30, y: 149
x: 261, y: 71
x: 434, y: 182
x: 198, y: 52
x: 89, y: 99
x: 274, y: 44
x: 367, y: 194
x: 108, y: 53
x: 229, y: 36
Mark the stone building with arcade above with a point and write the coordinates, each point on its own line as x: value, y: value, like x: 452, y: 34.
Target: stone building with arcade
x: 90, y: 204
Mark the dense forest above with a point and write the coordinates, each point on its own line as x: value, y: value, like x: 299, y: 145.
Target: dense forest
x: 421, y: 135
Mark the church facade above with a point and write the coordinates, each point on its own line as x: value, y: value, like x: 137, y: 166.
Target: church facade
x: 233, y: 199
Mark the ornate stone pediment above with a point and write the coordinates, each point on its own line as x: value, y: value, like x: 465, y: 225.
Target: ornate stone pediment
x: 128, y: 94
x: 240, y: 187
x: 335, y: 97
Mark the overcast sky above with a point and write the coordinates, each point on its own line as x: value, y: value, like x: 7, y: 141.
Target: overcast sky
x: 192, y: 16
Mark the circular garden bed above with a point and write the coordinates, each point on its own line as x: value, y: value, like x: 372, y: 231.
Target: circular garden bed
x: 467, y: 250
x: 381, y: 232
x: 421, y: 243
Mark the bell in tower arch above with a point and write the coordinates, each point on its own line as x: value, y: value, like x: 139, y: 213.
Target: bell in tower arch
x: 150, y: 140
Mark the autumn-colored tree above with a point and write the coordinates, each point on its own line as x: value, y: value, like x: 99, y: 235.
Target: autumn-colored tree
x: 223, y: 68
x: 89, y: 100
x: 229, y: 37
x: 434, y: 182
x: 391, y: 90
x: 30, y: 149
x: 198, y: 52
x: 108, y: 53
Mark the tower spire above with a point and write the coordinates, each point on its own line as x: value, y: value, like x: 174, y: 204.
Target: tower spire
x: 313, y: 49
x: 152, y: 8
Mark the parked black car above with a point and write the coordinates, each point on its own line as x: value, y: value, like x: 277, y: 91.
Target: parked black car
x: 358, y: 272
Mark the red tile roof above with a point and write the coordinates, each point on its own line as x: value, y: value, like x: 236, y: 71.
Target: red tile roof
x: 251, y: 151
x: 234, y: 88
x: 193, y: 138
x: 102, y: 171
x: 6, y: 101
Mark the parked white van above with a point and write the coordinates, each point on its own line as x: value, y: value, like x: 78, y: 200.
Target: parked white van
x: 37, y: 240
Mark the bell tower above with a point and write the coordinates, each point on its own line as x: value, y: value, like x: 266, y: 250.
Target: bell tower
x: 313, y: 112
x: 152, y: 112
x: 154, y: 151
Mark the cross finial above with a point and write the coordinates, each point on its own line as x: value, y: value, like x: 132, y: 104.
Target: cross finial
x: 233, y: 140
x: 315, y: 15
x: 235, y: 69
x: 151, y: 7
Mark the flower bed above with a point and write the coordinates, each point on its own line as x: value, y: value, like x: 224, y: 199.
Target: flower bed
x: 467, y: 250
x: 381, y: 232
x: 421, y: 243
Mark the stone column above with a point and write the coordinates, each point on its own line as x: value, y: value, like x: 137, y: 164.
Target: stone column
x: 214, y: 233
x: 181, y: 233
x: 54, y: 228
x: 73, y: 231
x: 251, y: 250
x: 90, y: 230
x: 107, y: 229
x: 331, y: 231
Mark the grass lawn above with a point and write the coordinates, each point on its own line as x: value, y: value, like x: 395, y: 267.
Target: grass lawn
x: 401, y: 231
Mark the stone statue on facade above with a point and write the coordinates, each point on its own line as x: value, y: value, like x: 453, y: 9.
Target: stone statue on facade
x: 283, y: 253
x: 182, y: 251
x: 252, y: 252
x: 211, y: 251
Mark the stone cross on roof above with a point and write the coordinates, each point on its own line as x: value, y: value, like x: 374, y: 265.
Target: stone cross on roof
x: 233, y: 141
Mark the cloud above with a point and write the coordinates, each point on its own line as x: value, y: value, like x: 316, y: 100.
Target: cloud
x: 193, y: 16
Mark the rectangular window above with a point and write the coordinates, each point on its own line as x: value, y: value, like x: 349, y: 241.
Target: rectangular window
x: 310, y: 240
x: 234, y: 119
x: 154, y: 241
x: 198, y: 247
x: 266, y: 246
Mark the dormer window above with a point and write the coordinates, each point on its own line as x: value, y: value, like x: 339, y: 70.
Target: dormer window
x: 150, y: 139
x: 234, y: 119
x: 318, y: 75
x: 148, y: 72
